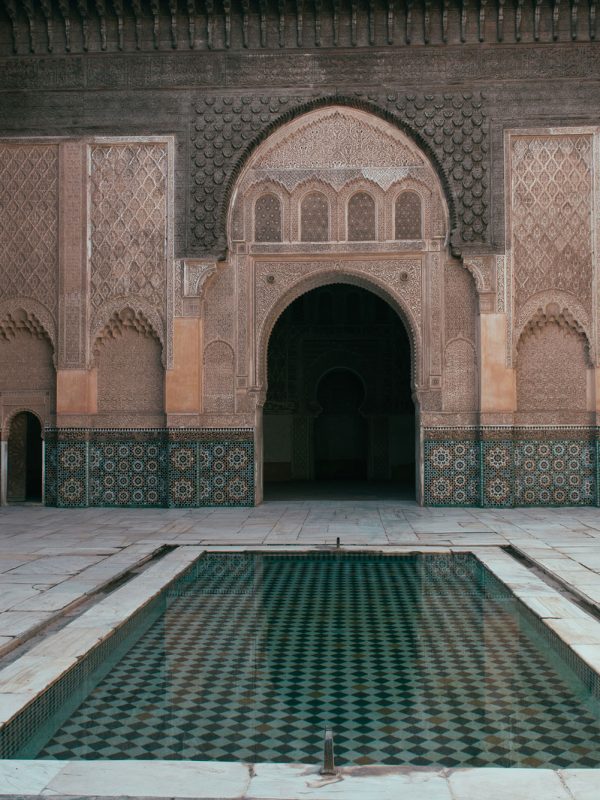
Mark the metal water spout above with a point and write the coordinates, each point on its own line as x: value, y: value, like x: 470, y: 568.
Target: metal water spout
x: 328, y: 754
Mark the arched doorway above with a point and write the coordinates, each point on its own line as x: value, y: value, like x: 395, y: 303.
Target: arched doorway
x: 24, y: 478
x: 339, y: 408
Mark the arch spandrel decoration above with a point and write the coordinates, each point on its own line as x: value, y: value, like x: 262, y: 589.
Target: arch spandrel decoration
x: 398, y: 287
x: 338, y: 151
x: 340, y: 147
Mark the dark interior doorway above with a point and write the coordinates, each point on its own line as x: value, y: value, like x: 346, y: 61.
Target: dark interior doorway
x: 339, y: 417
x: 340, y: 430
x: 24, y: 478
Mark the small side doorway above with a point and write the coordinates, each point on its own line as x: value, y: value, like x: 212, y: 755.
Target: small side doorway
x: 24, y: 478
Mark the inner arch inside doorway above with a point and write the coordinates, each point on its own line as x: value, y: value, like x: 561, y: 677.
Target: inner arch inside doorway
x: 339, y: 417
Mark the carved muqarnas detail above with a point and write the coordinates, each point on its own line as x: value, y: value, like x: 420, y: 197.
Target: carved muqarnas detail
x: 128, y: 358
x: 121, y: 321
x: 553, y: 313
x: 552, y: 362
x: 22, y: 320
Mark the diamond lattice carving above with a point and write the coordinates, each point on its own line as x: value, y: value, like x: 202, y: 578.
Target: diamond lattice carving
x: 551, y: 215
x: 29, y: 222
x: 129, y: 220
x: 361, y: 218
x: 314, y: 226
x: 408, y: 216
x: 267, y: 219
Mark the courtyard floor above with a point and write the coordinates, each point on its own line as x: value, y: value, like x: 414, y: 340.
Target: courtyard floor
x: 57, y: 563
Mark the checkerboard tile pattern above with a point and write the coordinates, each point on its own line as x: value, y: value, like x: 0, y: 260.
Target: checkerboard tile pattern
x: 421, y: 660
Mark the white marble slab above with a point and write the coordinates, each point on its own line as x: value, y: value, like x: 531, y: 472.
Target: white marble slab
x: 181, y: 779
x: 548, y: 607
x: 10, y: 704
x: 584, y: 784
x: 18, y: 623
x: 590, y: 653
x: 27, y: 777
x: 506, y: 784
x: 31, y: 674
x: 292, y: 781
x: 70, y: 641
x: 576, y: 631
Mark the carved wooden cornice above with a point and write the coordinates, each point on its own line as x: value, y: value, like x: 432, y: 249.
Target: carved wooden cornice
x: 40, y: 26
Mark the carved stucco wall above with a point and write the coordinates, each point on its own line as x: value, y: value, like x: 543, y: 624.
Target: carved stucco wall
x: 219, y: 378
x: 342, y: 153
x: 29, y: 232
x: 130, y: 373
x: 552, y: 370
x: 460, y: 359
x: 130, y: 249
x: 552, y: 222
x: 27, y: 374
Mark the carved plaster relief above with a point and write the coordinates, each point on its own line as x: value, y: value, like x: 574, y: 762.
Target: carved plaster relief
x: 397, y: 280
x: 131, y: 243
x: 219, y: 378
x: 552, y: 366
x: 550, y: 224
x: 338, y: 152
x: 29, y: 225
x: 72, y: 302
x: 337, y: 138
x: 360, y: 165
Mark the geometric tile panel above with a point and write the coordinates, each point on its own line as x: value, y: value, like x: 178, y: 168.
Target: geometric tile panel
x: 535, y: 468
x: 451, y: 473
x: 71, y: 468
x: 211, y: 473
x: 554, y: 473
x: 149, y: 468
x: 497, y: 474
x: 421, y: 660
x: 127, y: 473
x: 215, y: 467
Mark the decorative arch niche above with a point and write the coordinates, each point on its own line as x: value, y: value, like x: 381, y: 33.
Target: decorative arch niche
x: 128, y: 358
x: 553, y: 358
x: 341, y: 153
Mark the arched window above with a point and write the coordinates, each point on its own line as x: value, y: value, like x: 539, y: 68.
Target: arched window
x: 314, y: 218
x: 267, y: 219
x: 361, y: 218
x: 409, y: 223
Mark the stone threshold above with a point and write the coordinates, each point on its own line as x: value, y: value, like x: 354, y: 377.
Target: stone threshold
x: 31, y: 674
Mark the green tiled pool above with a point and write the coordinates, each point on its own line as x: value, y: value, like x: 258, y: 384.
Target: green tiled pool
x: 419, y: 659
